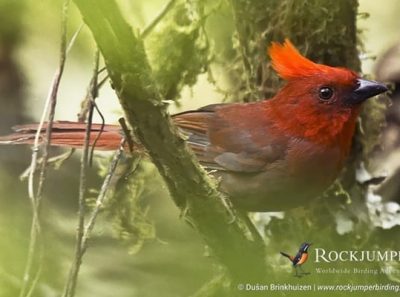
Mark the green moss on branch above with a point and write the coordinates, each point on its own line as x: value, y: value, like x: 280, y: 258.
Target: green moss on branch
x: 193, y: 191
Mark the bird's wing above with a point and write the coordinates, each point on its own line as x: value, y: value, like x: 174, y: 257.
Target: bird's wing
x: 297, y: 258
x: 231, y: 137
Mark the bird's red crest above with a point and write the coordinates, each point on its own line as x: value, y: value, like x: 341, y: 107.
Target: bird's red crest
x: 289, y: 63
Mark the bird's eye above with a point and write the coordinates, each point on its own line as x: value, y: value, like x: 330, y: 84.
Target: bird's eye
x: 325, y: 93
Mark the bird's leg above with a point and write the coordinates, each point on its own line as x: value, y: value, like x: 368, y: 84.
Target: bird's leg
x: 296, y: 272
x: 302, y: 270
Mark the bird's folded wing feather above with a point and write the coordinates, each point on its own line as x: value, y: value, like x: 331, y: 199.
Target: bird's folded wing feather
x: 223, y: 139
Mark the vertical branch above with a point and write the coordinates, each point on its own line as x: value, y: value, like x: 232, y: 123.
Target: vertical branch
x: 74, y: 271
x: 49, y: 110
x: 84, y: 231
x: 231, y: 241
x: 35, y: 198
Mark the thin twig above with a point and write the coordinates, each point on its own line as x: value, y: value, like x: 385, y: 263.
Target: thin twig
x: 104, y: 68
x: 70, y: 286
x: 87, y: 229
x: 146, y: 31
x: 55, y: 162
x: 35, y: 198
x: 158, y: 18
x: 127, y: 133
x: 89, y: 102
x: 53, y: 98
x: 101, y: 197
x: 102, y: 82
x: 93, y: 93
x: 73, y: 38
x: 103, y: 124
x: 73, y: 275
x: 36, y: 279
x: 83, y: 112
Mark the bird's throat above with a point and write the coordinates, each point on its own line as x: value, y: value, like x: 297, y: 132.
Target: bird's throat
x: 329, y: 130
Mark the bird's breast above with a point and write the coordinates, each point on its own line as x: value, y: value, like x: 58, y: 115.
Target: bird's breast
x: 313, y: 163
x: 303, y: 259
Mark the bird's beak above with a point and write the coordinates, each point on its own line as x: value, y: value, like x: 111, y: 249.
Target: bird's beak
x: 366, y: 89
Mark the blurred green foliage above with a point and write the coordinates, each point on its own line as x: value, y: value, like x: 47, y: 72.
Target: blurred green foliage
x: 11, y: 26
x: 126, y: 207
x: 178, y: 51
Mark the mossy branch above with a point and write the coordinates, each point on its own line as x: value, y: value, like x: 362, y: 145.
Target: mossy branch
x: 231, y: 241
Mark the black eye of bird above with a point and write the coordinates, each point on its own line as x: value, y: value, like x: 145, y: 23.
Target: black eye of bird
x: 325, y: 93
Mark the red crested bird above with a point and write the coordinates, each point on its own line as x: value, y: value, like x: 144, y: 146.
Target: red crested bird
x: 269, y: 155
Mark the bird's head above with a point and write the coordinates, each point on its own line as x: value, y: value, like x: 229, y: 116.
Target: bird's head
x: 323, y: 85
x: 304, y: 247
x: 318, y: 98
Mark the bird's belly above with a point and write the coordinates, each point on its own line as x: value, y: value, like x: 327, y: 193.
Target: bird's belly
x: 265, y: 193
x: 303, y: 259
x: 281, y: 186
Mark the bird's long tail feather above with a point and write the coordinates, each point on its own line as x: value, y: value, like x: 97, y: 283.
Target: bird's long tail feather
x: 287, y: 256
x: 67, y: 134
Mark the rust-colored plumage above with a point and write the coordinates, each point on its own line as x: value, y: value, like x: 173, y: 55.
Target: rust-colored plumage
x: 290, y: 64
x: 272, y: 154
x: 68, y: 134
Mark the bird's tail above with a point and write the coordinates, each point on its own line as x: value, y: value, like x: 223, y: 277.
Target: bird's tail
x: 67, y: 134
x: 287, y: 256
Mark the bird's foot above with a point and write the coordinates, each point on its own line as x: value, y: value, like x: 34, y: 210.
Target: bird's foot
x: 298, y: 275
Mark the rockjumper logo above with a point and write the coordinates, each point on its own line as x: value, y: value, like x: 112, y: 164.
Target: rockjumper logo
x: 299, y: 259
x: 321, y: 255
